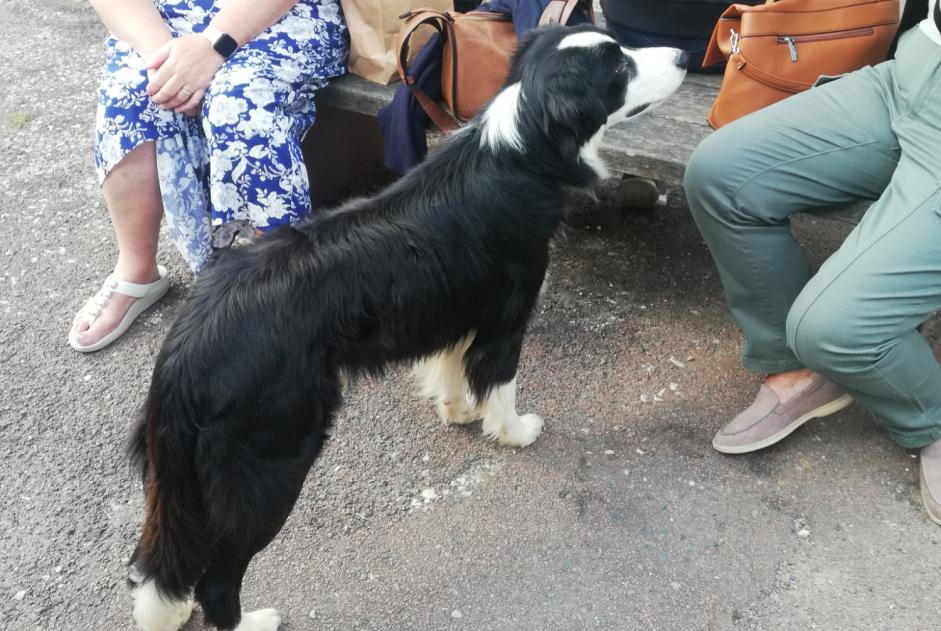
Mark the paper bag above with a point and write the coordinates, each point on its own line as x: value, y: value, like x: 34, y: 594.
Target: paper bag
x: 373, y: 26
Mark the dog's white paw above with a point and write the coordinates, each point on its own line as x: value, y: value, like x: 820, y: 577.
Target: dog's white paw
x: 456, y: 411
x: 519, y: 431
x: 260, y: 620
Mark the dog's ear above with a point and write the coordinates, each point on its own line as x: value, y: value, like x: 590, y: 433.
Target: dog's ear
x: 571, y: 114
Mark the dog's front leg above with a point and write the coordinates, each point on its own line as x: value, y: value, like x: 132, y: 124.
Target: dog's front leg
x: 441, y: 377
x: 503, y: 424
x: 490, y: 366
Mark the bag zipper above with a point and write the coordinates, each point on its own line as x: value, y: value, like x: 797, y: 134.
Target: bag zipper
x: 793, y: 40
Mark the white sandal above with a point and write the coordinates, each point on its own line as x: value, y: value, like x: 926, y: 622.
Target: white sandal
x: 146, y: 294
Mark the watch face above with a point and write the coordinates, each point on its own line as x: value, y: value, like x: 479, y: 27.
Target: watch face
x: 225, y: 45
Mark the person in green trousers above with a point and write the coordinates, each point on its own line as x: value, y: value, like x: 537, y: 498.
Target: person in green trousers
x: 849, y: 332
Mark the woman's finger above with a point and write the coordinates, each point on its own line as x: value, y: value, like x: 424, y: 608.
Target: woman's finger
x: 158, y: 71
x: 193, y: 105
x: 180, y: 99
x: 159, y: 56
x: 168, y: 96
x: 159, y: 79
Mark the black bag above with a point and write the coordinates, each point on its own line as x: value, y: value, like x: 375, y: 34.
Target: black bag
x: 685, y: 24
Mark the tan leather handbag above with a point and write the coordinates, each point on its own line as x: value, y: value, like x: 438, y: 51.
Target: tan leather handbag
x: 782, y: 47
x: 477, y: 47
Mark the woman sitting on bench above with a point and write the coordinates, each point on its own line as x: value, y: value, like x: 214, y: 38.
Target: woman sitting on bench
x: 202, y: 108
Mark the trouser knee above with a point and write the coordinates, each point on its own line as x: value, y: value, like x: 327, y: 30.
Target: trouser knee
x: 823, y: 341
x: 705, y: 178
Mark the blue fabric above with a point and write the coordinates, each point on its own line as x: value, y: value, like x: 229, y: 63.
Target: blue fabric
x: 240, y: 161
x: 404, y: 123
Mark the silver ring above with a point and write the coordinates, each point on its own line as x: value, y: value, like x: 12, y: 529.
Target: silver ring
x: 186, y: 93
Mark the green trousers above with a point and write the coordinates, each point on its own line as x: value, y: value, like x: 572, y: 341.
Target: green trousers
x: 874, y: 134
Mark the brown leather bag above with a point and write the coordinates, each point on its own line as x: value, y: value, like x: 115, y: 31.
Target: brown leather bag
x: 784, y: 46
x: 477, y: 47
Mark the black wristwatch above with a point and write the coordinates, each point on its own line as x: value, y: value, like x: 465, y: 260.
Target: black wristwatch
x: 222, y: 43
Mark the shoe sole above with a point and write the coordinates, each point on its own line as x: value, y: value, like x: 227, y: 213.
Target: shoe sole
x: 140, y: 305
x: 824, y: 410
x: 924, y: 496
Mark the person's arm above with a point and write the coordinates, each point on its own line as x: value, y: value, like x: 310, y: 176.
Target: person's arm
x: 245, y: 19
x: 185, y: 66
x: 137, y: 23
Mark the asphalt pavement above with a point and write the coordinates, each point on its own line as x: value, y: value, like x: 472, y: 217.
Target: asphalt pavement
x: 619, y: 517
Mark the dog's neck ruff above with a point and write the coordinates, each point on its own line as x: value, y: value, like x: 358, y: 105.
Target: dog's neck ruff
x: 500, y: 121
x: 589, y: 154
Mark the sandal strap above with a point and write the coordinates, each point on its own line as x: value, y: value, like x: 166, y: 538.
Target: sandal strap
x: 139, y: 290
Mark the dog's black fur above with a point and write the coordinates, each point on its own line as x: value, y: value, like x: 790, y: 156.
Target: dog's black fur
x: 249, y: 376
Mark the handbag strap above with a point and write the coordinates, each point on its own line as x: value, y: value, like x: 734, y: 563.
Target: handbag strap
x: 556, y: 12
x: 723, y: 43
x: 560, y: 11
x: 443, y: 23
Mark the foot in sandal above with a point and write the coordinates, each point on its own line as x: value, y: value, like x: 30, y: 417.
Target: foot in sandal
x: 108, y: 314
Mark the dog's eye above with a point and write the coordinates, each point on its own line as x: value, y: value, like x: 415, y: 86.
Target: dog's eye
x: 623, y: 67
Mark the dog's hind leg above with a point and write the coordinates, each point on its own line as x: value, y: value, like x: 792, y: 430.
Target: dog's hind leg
x: 265, y: 498
x: 490, y: 365
x: 218, y: 590
x: 154, y: 611
x: 256, y: 489
x: 441, y: 377
x: 259, y: 492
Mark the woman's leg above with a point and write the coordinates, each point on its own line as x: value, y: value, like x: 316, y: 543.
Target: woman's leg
x: 856, y: 320
x: 831, y: 145
x: 254, y: 125
x: 133, y: 198
x: 257, y: 110
x: 128, y: 125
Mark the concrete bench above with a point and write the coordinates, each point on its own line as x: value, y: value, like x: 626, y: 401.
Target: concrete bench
x: 656, y: 145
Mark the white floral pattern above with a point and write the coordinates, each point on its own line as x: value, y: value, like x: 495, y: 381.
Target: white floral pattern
x: 240, y: 161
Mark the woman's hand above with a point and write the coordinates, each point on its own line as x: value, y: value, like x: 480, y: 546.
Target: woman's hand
x: 180, y: 73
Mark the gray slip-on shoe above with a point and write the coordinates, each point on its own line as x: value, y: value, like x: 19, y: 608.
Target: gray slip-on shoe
x: 931, y: 480
x: 769, y: 420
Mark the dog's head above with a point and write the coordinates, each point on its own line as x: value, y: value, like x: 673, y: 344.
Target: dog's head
x: 567, y: 85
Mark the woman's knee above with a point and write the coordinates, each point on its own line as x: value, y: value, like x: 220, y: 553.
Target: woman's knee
x: 240, y: 104
x: 706, y: 177
x: 823, y: 340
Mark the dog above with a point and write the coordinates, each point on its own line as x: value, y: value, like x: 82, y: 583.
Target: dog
x: 442, y: 268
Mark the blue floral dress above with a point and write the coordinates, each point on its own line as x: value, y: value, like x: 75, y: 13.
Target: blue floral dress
x: 240, y: 161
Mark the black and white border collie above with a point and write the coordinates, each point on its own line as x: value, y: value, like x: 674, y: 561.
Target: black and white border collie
x: 442, y: 268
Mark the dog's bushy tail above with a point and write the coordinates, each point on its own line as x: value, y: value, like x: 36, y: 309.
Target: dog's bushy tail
x: 175, y: 546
